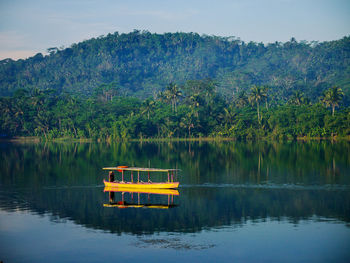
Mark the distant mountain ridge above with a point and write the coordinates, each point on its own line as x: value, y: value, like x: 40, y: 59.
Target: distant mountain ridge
x: 143, y: 63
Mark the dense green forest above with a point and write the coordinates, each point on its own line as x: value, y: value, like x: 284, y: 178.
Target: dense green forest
x: 143, y: 85
x: 194, y: 110
x: 142, y: 64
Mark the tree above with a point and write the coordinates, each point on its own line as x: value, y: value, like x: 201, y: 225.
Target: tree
x: 257, y: 95
x: 332, y: 97
x: 187, y: 122
x: 195, y: 101
x: 163, y: 96
x: 227, y: 116
x: 147, y: 107
x: 106, y: 92
x: 173, y: 93
x: 265, y: 90
x: 42, y: 122
x: 241, y: 100
x: 298, y: 98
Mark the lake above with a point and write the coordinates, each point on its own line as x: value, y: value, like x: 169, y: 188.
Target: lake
x: 237, y: 202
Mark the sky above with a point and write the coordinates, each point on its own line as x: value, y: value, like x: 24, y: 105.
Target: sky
x: 28, y: 27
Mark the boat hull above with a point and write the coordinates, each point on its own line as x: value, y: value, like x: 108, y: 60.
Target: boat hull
x: 164, y: 191
x: 142, y: 185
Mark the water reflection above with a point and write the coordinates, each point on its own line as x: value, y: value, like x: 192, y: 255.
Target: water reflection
x: 153, y: 199
x: 222, y: 183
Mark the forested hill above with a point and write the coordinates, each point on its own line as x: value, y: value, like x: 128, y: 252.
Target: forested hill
x: 142, y: 63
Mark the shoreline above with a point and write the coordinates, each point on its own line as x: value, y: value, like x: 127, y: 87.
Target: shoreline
x: 34, y: 139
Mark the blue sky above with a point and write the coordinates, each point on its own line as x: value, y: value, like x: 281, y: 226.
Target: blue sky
x: 31, y: 26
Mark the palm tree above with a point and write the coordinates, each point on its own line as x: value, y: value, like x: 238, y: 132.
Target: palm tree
x: 332, y: 97
x: 241, y: 100
x: 266, y: 89
x: 173, y: 94
x: 297, y: 98
x: 168, y: 127
x: 163, y: 96
x: 257, y: 95
x: 148, y: 107
x: 42, y: 121
x: 195, y: 101
x: 187, y: 122
x: 37, y: 98
x: 228, y: 116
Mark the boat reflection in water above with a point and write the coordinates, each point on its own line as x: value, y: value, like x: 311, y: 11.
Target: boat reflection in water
x: 145, y: 198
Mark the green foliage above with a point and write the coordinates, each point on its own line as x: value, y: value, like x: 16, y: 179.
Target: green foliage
x: 257, y: 96
x: 332, y: 97
x: 201, y: 112
x: 142, y: 64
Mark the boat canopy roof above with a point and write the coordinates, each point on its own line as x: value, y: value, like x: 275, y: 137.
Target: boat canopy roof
x: 140, y: 169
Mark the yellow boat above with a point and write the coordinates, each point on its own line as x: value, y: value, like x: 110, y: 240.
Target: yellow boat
x: 142, y: 191
x: 170, y: 184
x: 141, y: 185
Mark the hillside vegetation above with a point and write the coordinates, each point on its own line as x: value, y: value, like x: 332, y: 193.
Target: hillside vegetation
x: 195, y: 111
x: 143, y: 85
x: 141, y: 64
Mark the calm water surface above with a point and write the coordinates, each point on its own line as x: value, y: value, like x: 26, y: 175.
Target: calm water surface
x: 237, y: 202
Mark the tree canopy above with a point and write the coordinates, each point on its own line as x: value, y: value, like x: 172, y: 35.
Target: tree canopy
x: 142, y: 64
x: 143, y: 85
x: 200, y: 112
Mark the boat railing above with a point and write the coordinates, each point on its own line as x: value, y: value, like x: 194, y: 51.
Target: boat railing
x: 171, y: 172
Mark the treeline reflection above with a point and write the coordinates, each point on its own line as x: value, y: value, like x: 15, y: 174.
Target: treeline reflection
x: 223, y: 183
